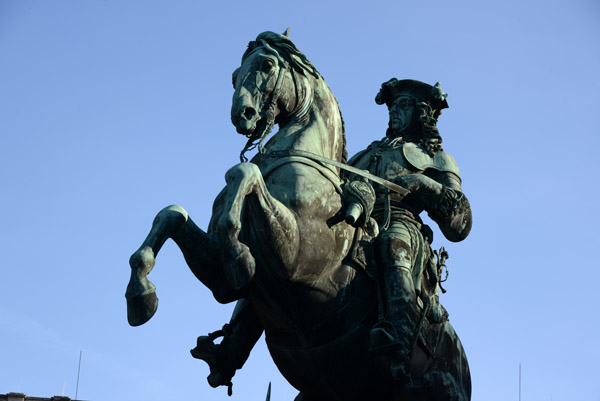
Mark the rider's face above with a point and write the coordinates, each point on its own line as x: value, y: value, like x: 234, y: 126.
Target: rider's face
x: 402, y: 113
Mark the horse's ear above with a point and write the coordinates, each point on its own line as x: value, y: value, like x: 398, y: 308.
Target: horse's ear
x: 234, y: 76
x: 287, y: 33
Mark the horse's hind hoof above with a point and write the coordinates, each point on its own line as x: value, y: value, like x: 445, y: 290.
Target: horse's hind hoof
x: 141, y: 308
x: 221, y: 367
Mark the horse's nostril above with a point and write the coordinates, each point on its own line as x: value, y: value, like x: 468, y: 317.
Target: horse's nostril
x: 249, y: 112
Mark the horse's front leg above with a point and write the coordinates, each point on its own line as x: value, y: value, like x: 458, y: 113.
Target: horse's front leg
x: 200, y: 252
x: 276, y: 223
x: 141, y: 293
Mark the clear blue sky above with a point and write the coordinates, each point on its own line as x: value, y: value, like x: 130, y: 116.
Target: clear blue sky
x: 111, y: 110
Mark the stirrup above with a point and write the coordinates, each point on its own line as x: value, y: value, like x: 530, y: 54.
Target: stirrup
x: 400, y: 371
x: 384, y: 338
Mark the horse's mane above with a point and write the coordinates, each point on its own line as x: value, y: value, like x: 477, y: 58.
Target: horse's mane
x: 297, y: 60
x: 286, y: 49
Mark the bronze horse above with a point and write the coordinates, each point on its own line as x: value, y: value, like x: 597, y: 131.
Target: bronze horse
x: 276, y: 239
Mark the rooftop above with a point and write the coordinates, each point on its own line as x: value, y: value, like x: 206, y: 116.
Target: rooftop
x: 23, y: 397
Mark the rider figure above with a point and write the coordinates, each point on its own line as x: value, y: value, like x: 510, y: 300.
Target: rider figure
x: 411, y: 156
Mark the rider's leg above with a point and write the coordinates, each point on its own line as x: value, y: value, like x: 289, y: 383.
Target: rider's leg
x: 394, y: 250
x: 239, y: 337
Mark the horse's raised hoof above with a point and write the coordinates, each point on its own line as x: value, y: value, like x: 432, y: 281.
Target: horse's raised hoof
x: 141, y: 293
x: 141, y: 308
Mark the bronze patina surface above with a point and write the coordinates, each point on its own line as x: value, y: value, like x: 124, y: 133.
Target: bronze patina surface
x: 337, y: 270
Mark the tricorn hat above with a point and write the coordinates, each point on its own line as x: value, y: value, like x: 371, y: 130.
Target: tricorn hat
x: 393, y: 88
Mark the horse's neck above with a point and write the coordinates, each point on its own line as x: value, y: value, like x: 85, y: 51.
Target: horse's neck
x: 315, y: 126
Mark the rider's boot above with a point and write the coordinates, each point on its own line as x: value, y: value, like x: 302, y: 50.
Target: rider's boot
x: 394, y: 335
x: 239, y: 337
x: 402, y: 313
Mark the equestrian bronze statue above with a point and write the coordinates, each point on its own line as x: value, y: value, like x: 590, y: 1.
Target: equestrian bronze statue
x: 333, y: 263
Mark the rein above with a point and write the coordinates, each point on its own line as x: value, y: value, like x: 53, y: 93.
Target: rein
x: 324, y: 160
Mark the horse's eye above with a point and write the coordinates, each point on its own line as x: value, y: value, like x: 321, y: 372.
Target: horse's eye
x: 268, y: 65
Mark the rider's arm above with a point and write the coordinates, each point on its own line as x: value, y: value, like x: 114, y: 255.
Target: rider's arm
x: 442, y: 197
x: 449, y: 207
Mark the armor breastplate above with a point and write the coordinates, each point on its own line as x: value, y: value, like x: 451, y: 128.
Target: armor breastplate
x: 390, y: 158
x: 384, y: 158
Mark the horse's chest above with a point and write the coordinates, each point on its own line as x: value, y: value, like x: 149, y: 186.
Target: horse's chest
x: 303, y: 190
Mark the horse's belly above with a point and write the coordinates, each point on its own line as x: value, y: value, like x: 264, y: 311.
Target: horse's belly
x: 340, y: 370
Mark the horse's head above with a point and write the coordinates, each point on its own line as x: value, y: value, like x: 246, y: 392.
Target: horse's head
x: 265, y: 84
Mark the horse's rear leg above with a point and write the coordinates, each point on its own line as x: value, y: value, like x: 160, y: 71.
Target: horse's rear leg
x: 199, y: 250
x: 239, y: 337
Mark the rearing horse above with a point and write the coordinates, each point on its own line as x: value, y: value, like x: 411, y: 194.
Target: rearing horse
x: 276, y: 239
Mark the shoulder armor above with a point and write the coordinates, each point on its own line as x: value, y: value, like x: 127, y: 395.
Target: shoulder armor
x: 421, y: 160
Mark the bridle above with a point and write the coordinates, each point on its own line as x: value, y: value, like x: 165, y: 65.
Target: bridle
x: 270, y: 108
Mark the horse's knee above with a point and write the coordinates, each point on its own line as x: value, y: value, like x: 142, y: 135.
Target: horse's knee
x: 230, y: 224
x: 173, y: 213
x: 171, y: 218
x: 242, y: 172
x: 240, y: 178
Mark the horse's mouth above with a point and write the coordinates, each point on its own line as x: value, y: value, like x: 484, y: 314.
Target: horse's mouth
x: 251, y: 129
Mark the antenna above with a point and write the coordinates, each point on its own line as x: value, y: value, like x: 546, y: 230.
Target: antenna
x: 78, y: 371
x: 269, y: 392
x: 519, y: 381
